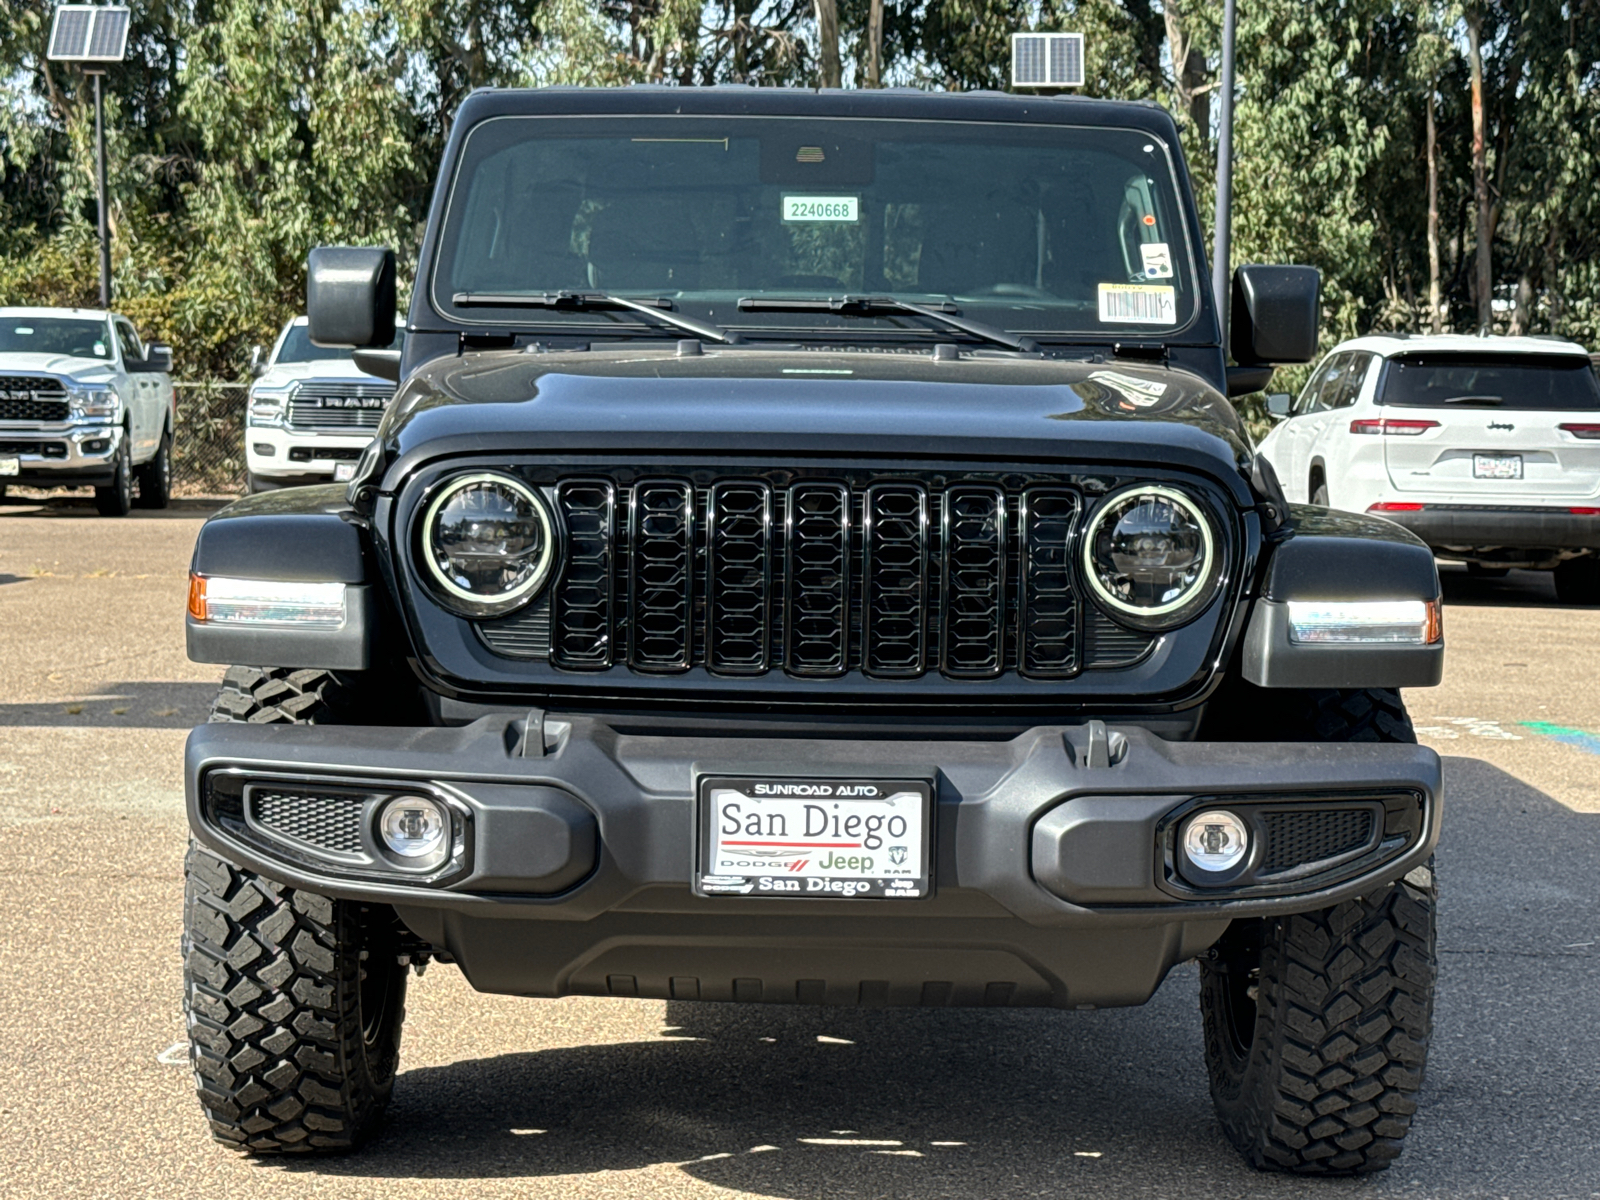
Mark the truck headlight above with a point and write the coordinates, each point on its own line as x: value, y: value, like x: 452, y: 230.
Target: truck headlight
x: 94, y: 402
x: 1151, y: 557
x: 268, y: 407
x: 488, y: 543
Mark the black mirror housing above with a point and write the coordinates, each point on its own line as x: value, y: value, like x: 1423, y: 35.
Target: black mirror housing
x: 350, y: 295
x: 1276, y: 314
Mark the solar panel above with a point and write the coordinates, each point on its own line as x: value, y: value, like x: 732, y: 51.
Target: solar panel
x: 89, y: 33
x: 1047, y: 60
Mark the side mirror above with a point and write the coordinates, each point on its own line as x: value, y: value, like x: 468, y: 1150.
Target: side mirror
x: 1278, y: 405
x: 157, y: 359
x: 350, y: 296
x: 258, y: 368
x: 1276, y: 312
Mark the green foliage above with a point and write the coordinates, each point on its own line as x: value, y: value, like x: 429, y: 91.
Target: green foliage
x: 242, y: 134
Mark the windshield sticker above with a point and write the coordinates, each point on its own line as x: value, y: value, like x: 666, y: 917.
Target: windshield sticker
x: 1157, y: 260
x: 1138, y: 304
x: 1142, y: 392
x: 837, y: 209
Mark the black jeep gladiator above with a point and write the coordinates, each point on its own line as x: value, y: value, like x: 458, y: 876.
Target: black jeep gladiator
x: 811, y: 557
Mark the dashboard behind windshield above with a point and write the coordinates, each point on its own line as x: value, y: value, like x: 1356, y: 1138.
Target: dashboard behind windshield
x: 1037, y: 228
x: 55, y: 335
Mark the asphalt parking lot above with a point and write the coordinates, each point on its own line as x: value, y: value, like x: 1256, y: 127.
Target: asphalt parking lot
x: 581, y: 1097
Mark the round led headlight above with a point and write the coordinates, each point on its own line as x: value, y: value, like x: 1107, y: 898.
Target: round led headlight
x: 1150, y: 556
x: 489, y: 543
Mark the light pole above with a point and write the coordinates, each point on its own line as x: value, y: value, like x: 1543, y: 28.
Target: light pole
x: 94, y: 34
x: 1221, y: 283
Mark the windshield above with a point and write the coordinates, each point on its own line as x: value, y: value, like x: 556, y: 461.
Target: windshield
x: 297, y: 347
x: 1038, y: 229
x: 55, y: 335
x: 1551, y: 383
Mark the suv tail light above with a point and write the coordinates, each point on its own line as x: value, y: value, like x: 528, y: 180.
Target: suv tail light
x: 1384, y: 506
x: 1588, y: 433
x: 1394, y: 427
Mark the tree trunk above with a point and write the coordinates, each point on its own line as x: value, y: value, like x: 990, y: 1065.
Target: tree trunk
x: 829, y: 73
x: 1435, y: 316
x: 1480, y: 181
x: 875, y: 44
x: 1190, y: 74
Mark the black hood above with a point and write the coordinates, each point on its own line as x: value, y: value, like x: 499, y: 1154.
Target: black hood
x: 648, y: 399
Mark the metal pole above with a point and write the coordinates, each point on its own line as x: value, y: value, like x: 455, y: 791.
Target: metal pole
x: 100, y: 162
x: 1221, y: 276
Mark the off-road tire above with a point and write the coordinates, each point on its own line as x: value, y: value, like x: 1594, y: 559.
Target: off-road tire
x: 294, y: 1004
x: 1317, y: 1024
x: 116, y: 498
x: 283, y: 696
x: 155, y: 477
x: 1578, y: 580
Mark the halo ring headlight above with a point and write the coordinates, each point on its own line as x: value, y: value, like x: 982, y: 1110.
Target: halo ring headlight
x: 488, y: 543
x: 1151, y: 556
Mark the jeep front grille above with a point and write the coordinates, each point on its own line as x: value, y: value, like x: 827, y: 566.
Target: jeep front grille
x: 32, y: 398
x: 895, y: 578
x: 333, y: 406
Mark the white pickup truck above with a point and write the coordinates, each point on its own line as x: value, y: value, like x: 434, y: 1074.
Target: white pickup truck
x: 84, y: 401
x: 311, y: 411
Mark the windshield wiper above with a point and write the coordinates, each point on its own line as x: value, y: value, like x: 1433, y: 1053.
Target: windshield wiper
x: 1474, y: 400
x: 589, y: 302
x: 873, y: 306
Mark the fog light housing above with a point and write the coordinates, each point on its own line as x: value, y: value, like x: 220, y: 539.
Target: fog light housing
x: 1216, y: 844
x: 415, y: 828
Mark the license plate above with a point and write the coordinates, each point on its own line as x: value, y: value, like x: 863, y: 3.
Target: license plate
x: 344, y: 472
x: 10, y: 466
x: 828, y: 839
x: 1497, y: 466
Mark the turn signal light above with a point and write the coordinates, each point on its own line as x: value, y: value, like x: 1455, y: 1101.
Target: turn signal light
x: 219, y: 600
x: 1588, y: 433
x: 1392, y: 427
x: 1373, y: 622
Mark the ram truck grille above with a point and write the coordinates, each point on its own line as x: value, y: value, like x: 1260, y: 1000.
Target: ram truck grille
x: 895, y: 578
x: 32, y: 398
x: 332, y: 406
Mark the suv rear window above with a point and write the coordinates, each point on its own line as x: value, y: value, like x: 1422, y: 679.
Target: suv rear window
x: 1550, y: 383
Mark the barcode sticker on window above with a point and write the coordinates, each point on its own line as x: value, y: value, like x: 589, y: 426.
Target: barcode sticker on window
x: 1138, y: 304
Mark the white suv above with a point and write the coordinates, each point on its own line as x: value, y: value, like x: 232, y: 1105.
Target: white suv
x: 1487, y: 448
x: 311, y: 411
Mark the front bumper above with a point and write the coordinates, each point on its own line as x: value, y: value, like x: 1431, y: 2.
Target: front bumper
x: 1463, y: 528
x: 289, y: 457
x: 577, y: 843
x: 69, y: 454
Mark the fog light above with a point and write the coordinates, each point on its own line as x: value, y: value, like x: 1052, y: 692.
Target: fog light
x: 414, y: 826
x: 1216, y: 841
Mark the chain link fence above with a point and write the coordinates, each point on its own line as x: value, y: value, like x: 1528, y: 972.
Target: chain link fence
x: 208, y: 444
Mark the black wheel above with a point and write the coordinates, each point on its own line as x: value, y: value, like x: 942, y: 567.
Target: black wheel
x: 294, y: 1000
x: 1317, y: 1024
x: 155, y: 477
x: 294, y: 1004
x: 116, y: 498
x: 255, y: 484
x: 1578, y: 580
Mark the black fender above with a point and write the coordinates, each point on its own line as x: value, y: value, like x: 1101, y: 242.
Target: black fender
x: 301, y: 534
x: 1324, y: 554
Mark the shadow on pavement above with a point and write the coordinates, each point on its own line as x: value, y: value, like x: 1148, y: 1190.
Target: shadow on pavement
x: 180, y: 509
x: 142, y: 705
x: 1515, y: 589
x: 923, y: 1103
